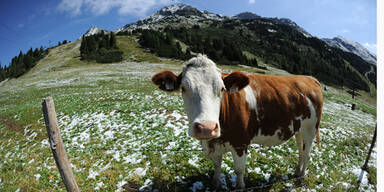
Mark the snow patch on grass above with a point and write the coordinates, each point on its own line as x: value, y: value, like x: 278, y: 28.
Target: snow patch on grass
x: 120, y: 185
x: 138, y: 172
x: 92, y: 174
x: 37, y: 176
x: 98, y: 186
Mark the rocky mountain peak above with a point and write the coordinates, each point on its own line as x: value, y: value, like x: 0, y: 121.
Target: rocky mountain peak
x: 179, y: 9
x: 177, y: 14
x: 351, y: 46
x: 292, y: 24
x: 93, y: 30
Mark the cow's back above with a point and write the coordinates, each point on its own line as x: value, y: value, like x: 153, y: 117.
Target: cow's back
x: 270, y: 110
x: 284, y: 103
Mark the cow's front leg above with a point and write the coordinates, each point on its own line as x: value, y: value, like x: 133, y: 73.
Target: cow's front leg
x: 239, y: 164
x: 217, y: 175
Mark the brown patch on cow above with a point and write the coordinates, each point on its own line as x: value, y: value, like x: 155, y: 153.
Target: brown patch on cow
x: 9, y: 124
x: 280, y: 100
x: 166, y: 77
x: 235, y: 79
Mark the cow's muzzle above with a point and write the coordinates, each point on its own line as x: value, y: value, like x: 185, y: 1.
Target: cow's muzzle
x: 206, y: 130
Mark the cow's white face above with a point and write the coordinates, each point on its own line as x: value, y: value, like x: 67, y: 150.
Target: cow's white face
x: 202, y: 89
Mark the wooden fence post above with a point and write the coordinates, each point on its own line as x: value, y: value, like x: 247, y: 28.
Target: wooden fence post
x: 57, y: 146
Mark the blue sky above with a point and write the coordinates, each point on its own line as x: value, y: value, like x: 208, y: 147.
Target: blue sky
x: 26, y: 24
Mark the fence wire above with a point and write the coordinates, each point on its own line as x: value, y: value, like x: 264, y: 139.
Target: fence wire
x: 151, y: 150
x: 136, y: 150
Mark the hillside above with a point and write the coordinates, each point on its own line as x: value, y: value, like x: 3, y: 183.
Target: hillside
x: 120, y: 132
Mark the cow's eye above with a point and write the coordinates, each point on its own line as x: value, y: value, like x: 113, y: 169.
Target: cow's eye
x: 222, y: 89
x: 183, y: 89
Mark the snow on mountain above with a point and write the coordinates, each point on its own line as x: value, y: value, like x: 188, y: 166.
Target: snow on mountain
x: 95, y: 30
x: 289, y: 22
x: 351, y: 46
x: 186, y: 15
x: 179, y: 14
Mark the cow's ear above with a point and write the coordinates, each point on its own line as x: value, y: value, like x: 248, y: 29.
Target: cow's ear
x: 166, y: 81
x: 235, y: 81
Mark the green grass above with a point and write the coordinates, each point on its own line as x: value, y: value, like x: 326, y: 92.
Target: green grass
x: 115, y: 123
x: 132, y: 50
x: 347, y: 99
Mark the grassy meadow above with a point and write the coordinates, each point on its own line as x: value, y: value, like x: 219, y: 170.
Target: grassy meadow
x: 121, y: 133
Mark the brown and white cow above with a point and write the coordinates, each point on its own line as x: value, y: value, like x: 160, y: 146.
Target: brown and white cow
x: 228, y: 112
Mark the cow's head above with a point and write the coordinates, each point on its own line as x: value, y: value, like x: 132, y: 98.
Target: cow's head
x: 202, y: 85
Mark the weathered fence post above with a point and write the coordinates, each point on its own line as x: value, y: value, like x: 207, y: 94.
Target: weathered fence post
x: 57, y: 146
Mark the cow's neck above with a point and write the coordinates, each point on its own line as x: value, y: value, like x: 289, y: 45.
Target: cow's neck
x: 224, y: 111
x: 232, y: 114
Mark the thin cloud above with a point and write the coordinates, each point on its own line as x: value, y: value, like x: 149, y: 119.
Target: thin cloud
x: 31, y: 17
x: 99, y: 7
x: 71, y: 6
x: 344, y: 31
x: 251, y: 1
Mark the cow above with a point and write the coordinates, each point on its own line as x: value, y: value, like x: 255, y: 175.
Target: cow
x: 228, y: 112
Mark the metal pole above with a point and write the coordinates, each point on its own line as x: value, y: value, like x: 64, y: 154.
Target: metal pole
x: 364, y: 168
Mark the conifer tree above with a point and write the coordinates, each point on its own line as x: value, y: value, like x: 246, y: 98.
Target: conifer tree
x: 21, y: 55
x: 1, y: 73
x: 103, y: 41
x: 36, y: 53
x: 91, y: 43
x: 27, y: 61
x: 41, y: 50
x: 30, y: 52
x: 83, y: 46
x: 112, y: 41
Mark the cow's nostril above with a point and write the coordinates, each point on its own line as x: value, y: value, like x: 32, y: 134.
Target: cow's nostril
x: 216, y: 127
x: 198, y: 127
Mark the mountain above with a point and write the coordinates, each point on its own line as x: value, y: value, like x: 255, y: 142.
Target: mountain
x: 180, y: 31
x: 186, y: 15
x: 248, y: 39
x: 182, y: 15
x: 351, y: 46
